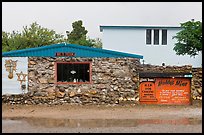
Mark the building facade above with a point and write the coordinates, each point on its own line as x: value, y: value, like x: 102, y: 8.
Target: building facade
x: 67, y: 73
x: 47, y: 69
x: 155, y: 43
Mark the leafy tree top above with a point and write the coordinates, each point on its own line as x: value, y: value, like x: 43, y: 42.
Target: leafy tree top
x: 78, y: 33
x: 189, y: 39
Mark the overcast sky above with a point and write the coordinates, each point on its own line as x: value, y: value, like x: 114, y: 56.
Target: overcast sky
x: 59, y: 16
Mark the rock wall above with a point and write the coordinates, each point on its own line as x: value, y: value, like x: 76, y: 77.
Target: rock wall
x: 196, y: 84
x: 114, y: 81
x: 156, y: 68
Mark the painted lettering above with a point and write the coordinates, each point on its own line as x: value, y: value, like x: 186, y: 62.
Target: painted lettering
x: 64, y: 54
x: 166, y: 82
x: 181, y: 83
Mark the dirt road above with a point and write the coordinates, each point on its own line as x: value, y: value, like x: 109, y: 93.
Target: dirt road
x: 102, y: 119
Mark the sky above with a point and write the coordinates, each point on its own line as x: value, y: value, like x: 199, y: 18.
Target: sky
x: 59, y: 16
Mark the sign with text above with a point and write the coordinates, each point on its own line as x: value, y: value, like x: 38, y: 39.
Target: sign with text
x: 165, y: 91
x: 173, y: 90
x: 60, y: 54
x: 147, y: 92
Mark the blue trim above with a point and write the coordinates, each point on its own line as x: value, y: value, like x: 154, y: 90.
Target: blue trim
x: 135, y: 27
x: 79, y: 50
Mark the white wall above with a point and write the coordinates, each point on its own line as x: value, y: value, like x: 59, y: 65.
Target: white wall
x: 134, y: 41
x: 12, y: 86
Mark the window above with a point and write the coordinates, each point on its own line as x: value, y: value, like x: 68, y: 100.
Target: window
x: 164, y: 37
x: 148, y: 36
x: 73, y: 72
x: 156, y: 37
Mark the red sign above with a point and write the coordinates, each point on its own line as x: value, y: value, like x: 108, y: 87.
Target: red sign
x: 64, y: 54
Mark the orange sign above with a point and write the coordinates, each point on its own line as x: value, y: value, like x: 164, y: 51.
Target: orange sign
x: 147, y: 90
x: 173, y: 90
x: 167, y: 91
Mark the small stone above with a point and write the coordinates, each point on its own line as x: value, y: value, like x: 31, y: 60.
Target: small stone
x: 121, y: 98
x: 50, y: 90
x: 31, y: 74
x: 137, y: 99
x: 60, y: 94
x: 62, y: 89
x: 51, y: 80
x: 135, y: 79
x: 43, y: 80
x: 194, y: 97
x: 32, y: 62
x: 72, y: 94
x: 79, y: 90
x: 199, y: 90
x: 115, y: 88
x: 93, y: 92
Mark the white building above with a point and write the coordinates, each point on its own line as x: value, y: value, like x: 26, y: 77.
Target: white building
x: 155, y: 43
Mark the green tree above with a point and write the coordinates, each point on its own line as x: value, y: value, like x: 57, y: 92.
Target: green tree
x: 32, y: 36
x: 78, y: 36
x: 189, y: 39
x: 78, y: 33
x: 97, y: 43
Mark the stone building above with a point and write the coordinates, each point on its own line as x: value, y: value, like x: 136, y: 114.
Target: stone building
x: 67, y: 71
x: 74, y: 74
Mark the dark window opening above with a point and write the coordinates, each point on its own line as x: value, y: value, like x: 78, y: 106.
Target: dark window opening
x: 164, y: 37
x: 148, y: 36
x: 73, y: 72
x: 156, y: 37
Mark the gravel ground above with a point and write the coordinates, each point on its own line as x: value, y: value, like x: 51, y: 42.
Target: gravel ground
x: 102, y: 119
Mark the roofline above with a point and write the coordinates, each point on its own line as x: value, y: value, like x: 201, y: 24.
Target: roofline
x: 135, y: 27
x: 31, y: 49
x: 4, y: 54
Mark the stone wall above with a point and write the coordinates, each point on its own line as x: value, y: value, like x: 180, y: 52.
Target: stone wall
x: 156, y: 68
x: 196, y: 84
x: 114, y: 81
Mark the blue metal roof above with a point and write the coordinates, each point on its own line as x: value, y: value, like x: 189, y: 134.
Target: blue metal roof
x: 136, y: 27
x: 79, y: 50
